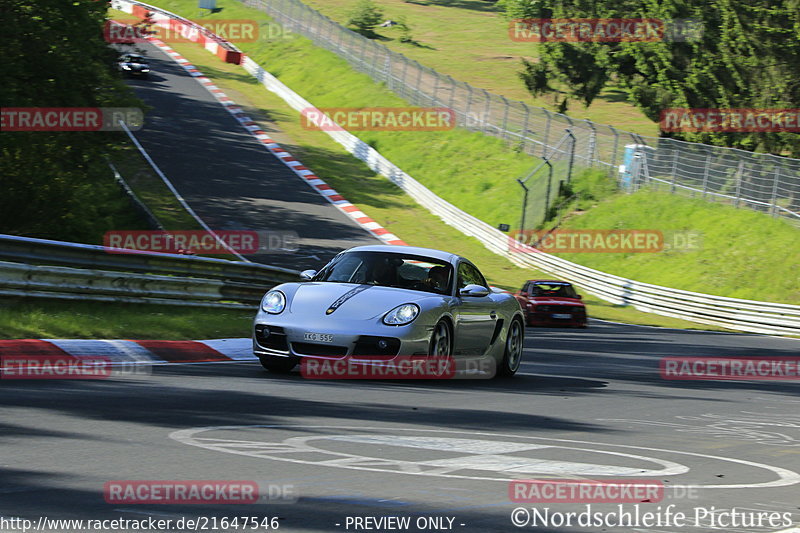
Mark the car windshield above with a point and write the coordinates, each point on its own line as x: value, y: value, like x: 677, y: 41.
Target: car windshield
x: 389, y: 269
x: 558, y: 290
x: 133, y: 59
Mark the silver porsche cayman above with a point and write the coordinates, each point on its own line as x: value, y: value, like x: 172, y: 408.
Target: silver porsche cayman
x: 390, y: 301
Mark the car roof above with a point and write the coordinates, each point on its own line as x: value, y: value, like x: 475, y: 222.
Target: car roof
x: 407, y: 250
x: 549, y: 281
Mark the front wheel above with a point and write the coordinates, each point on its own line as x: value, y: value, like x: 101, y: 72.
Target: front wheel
x: 279, y: 365
x: 512, y: 356
x: 441, y: 341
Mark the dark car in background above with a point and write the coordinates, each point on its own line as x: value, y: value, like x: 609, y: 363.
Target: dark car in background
x: 133, y: 65
x: 551, y: 303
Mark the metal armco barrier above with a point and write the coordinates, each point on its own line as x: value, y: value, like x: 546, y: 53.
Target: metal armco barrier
x: 54, y: 269
x: 742, y: 315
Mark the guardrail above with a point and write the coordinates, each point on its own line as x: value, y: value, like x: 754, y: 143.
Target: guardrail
x: 743, y: 315
x: 761, y: 181
x: 54, y: 269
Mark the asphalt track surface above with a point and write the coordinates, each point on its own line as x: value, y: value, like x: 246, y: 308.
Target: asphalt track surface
x: 587, y: 404
x: 230, y: 180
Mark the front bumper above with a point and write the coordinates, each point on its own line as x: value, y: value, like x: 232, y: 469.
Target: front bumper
x: 279, y: 339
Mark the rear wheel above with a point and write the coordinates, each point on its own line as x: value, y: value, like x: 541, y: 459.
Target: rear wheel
x: 513, y: 350
x: 280, y: 365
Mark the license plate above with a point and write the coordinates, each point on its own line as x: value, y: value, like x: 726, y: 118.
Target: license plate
x: 317, y: 337
x: 561, y: 315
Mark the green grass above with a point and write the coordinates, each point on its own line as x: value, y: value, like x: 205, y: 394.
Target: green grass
x: 471, y: 170
x: 55, y: 319
x: 378, y: 197
x: 741, y: 253
x: 469, y: 41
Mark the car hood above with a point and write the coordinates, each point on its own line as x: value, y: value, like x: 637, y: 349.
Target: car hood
x: 349, y: 300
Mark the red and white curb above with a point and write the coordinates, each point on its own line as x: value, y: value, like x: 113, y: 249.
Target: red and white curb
x: 287, y: 158
x: 152, y: 352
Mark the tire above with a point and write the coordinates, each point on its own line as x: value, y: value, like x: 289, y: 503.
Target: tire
x: 279, y: 365
x: 512, y: 355
x: 441, y: 340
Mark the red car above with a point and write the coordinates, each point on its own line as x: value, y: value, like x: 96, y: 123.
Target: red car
x: 551, y: 303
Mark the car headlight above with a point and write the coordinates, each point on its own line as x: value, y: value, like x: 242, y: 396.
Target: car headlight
x: 126, y: 67
x: 401, y: 315
x: 274, y: 302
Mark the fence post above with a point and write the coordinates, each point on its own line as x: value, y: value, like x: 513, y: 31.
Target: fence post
x: 387, y: 67
x: 453, y: 85
x: 549, y: 187
x: 571, y: 154
x: 487, y: 109
x: 419, y: 82
x: 546, y: 132
x: 774, y: 200
x: 705, y: 173
x: 524, y: 204
x: 739, y: 172
x: 614, y: 167
x: 524, y: 131
x: 674, y: 170
x: 469, y: 105
x: 591, y: 146
x: 403, y: 78
x: 505, y: 119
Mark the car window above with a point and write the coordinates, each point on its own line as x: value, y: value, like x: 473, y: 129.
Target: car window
x: 469, y: 275
x: 558, y: 290
x: 389, y: 269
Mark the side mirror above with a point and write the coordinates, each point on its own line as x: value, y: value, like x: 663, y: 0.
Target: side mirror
x: 523, y: 294
x: 308, y: 274
x: 580, y: 297
x: 475, y: 291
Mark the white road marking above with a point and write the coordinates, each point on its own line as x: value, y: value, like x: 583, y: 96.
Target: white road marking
x: 337, y: 459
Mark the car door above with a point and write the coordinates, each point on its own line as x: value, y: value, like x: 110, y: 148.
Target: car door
x: 476, y: 315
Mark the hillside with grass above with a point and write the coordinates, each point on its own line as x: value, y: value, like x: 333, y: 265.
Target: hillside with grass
x: 711, y: 248
x: 469, y: 40
x: 477, y: 174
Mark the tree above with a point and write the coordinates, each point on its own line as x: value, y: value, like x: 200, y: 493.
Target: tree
x: 55, y: 56
x: 748, y: 56
x: 365, y: 16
